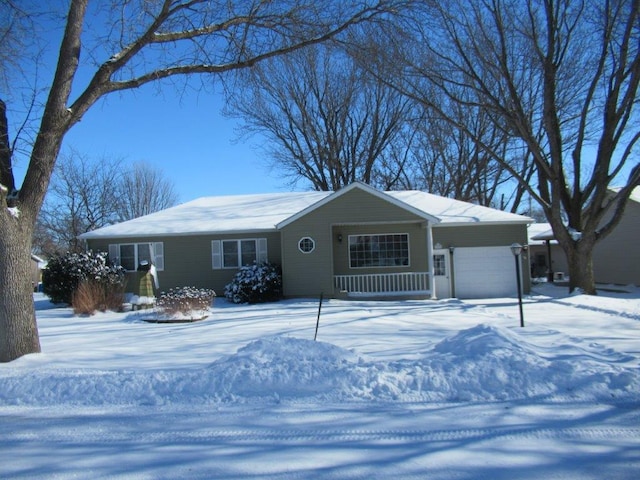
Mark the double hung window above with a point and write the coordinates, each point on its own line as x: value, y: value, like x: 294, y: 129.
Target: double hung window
x: 238, y: 253
x: 129, y: 255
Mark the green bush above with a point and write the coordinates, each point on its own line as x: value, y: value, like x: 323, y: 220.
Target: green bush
x: 261, y: 282
x: 64, y: 274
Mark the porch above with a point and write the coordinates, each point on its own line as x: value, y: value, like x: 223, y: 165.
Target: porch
x: 409, y: 284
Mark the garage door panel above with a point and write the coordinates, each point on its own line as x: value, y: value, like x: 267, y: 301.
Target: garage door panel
x: 484, y: 272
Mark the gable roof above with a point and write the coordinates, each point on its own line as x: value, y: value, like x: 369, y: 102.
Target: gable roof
x: 386, y: 196
x: 270, y: 211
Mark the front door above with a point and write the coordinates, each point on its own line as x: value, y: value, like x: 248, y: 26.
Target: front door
x: 442, y: 273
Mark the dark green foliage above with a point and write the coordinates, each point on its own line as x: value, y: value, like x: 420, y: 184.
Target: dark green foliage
x: 261, y: 282
x: 64, y: 273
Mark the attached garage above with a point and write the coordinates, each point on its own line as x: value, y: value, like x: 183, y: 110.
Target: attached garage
x: 484, y: 272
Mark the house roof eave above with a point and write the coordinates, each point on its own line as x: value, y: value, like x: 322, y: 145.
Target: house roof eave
x: 366, y: 188
x: 483, y: 223
x: 179, y: 234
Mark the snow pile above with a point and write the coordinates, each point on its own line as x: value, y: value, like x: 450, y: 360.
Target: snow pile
x: 483, y: 363
x: 490, y: 363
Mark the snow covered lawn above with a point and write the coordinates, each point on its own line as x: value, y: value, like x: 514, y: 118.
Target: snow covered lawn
x: 415, y: 389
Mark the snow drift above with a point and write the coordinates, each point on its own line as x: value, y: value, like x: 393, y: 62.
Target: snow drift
x: 483, y: 363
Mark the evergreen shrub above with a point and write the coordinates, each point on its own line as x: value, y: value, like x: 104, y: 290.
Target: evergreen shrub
x: 64, y: 273
x: 257, y: 283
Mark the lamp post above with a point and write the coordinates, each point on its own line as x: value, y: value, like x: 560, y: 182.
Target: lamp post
x: 516, y: 249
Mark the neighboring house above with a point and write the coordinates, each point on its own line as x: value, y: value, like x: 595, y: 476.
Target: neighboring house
x: 37, y: 264
x: 547, y: 257
x: 616, y: 258
x: 357, y: 241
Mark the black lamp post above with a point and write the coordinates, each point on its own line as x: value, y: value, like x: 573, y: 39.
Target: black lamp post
x: 516, y: 249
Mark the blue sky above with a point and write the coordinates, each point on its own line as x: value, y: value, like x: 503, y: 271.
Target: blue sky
x: 179, y: 131
x: 186, y: 137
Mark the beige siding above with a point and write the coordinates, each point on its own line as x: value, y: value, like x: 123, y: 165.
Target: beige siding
x: 417, y: 247
x: 616, y: 259
x: 354, y: 212
x: 480, y: 235
x: 486, y: 236
x: 187, y: 259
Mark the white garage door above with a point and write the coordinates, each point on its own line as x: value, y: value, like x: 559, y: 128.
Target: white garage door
x: 485, y: 272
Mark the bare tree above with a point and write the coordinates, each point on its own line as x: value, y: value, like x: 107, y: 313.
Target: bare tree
x: 326, y: 121
x: 559, y: 76
x: 87, y: 193
x: 136, y: 43
x: 448, y: 161
x: 142, y: 190
x: 14, y: 25
x: 83, y: 196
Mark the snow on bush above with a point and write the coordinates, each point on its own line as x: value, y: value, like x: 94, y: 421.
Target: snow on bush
x: 185, y: 301
x: 261, y: 282
x: 64, y: 273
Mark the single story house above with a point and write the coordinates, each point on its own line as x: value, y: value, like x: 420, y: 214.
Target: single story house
x: 354, y: 242
x: 616, y: 259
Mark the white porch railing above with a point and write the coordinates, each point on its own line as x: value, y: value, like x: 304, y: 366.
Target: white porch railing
x: 384, y: 283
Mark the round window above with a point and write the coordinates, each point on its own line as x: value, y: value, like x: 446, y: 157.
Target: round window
x: 306, y: 245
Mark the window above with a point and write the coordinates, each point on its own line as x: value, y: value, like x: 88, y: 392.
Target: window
x: 389, y: 250
x: 129, y: 255
x: 238, y: 253
x: 306, y: 245
x: 439, y: 265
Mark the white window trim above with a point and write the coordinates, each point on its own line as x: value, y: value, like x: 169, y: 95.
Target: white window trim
x: 217, y: 259
x: 379, y: 235
x: 156, y: 249
x: 313, y: 245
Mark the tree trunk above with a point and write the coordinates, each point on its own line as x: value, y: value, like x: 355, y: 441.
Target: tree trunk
x: 580, y: 260
x: 18, y: 327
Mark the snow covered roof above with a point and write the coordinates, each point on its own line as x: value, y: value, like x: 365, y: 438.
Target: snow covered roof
x: 539, y: 232
x: 386, y: 196
x: 456, y: 212
x: 263, y: 212
x: 635, y: 193
x: 234, y: 213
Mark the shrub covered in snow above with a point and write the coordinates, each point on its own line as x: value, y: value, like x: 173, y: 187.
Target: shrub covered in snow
x: 185, y: 300
x: 64, y: 273
x: 261, y: 282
